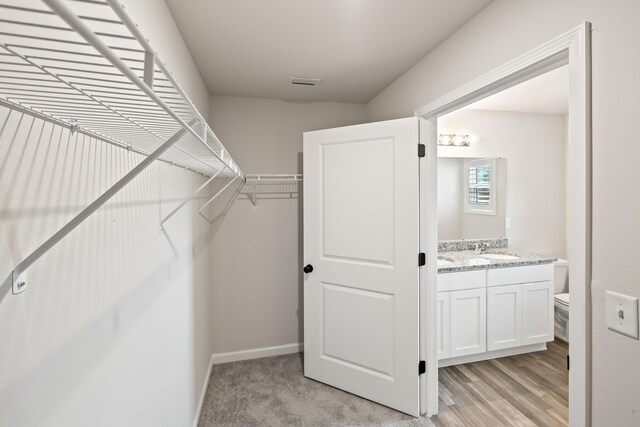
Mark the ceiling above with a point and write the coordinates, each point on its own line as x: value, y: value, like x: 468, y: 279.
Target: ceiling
x: 547, y: 93
x: 357, y: 47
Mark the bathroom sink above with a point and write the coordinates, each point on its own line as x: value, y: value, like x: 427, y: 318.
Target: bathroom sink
x: 501, y: 257
x: 444, y: 262
x: 478, y: 261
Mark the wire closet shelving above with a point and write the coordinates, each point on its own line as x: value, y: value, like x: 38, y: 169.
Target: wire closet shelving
x: 84, y: 65
x: 271, y: 186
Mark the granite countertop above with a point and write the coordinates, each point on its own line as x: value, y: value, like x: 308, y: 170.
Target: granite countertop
x: 450, y: 261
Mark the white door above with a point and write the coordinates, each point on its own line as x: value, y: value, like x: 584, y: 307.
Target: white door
x: 361, y: 301
x: 537, y: 312
x: 504, y: 316
x: 468, y: 322
x: 443, y: 325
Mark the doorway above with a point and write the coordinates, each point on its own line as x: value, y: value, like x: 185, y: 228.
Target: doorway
x: 502, y: 186
x: 572, y: 50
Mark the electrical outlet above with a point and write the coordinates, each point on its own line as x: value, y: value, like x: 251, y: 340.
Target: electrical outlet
x: 19, y: 283
x: 622, y: 314
x: 507, y: 223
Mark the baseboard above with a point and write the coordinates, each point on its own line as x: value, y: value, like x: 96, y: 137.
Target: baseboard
x: 492, y: 354
x: 203, y: 393
x: 256, y: 353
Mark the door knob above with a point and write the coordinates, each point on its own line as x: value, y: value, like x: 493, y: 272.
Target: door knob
x: 308, y: 268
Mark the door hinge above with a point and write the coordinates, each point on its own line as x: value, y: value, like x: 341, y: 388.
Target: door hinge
x: 422, y: 367
x: 422, y: 150
x: 422, y: 259
x: 567, y: 362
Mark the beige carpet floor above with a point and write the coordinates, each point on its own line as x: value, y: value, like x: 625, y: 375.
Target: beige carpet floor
x: 274, y: 392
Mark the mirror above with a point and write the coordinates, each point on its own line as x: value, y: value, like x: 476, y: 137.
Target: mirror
x: 471, y: 198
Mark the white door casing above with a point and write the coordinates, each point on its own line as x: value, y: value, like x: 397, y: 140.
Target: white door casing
x: 574, y: 48
x: 361, y: 301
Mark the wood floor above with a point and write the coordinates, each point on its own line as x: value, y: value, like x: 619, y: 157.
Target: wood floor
x: 525, y: 390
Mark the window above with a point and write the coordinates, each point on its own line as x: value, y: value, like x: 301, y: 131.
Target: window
x: 479, y: 182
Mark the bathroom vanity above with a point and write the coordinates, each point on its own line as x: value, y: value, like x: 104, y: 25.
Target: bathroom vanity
x: 493, y: 303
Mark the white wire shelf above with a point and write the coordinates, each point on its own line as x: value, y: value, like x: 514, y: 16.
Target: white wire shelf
x: 84, y: 65
x: 48, y: 66
x: 271, y: 186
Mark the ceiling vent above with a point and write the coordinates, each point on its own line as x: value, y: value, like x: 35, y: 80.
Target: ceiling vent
x: 303, y: 81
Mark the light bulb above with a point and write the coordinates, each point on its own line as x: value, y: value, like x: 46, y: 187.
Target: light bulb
x: 458, y: 140
x: 445, y: 139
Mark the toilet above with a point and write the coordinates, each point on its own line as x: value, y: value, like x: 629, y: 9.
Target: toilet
x: 561, y: 299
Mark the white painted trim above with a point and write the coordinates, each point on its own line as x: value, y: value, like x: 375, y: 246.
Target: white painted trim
x: 574, y: 48
x: 203, y: 393
x: 429, y: 273
x: 487, y: 355
x: 256, y: 353
x: 236, y: 356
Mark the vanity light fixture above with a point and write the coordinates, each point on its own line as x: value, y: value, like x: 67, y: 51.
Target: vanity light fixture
x: 457, y: 140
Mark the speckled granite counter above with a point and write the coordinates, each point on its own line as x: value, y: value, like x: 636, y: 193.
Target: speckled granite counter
x: 451, y: 261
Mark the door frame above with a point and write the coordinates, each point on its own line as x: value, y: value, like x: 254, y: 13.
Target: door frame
x: 573, y: 48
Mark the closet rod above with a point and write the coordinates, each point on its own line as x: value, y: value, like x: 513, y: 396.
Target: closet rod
x: 95, y: 205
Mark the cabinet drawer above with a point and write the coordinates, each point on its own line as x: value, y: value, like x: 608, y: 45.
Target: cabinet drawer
x: 460, y: 280
x: 518, y: 275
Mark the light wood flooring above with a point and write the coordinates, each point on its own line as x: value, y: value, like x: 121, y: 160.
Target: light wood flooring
x: 524, y: 390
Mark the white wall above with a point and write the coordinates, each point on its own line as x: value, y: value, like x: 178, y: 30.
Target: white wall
x: 114, y: 328
x: 533, y: 147
x: 450, y: 207
x: 257, y: 254
x: 507, y: 29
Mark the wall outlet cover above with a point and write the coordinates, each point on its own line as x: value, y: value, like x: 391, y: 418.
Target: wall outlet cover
x: 622, y: 314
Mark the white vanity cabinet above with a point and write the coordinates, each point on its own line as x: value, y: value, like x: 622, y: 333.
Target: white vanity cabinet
x: 468, y: 322
x: 504, y: 318
x: 537, y: 312
x: 462, y: 311
x: 443, y: 324
x: 519, y: 306
x: 491, y: 311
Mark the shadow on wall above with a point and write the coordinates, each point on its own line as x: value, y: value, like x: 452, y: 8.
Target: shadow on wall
x: 79, y: 356
x: 97, y: 294
x: 217, y: 210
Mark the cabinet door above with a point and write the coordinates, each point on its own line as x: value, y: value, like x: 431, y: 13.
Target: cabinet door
x: 443, y: 325
x: 504, y: 317
x: 537, y: 312
x: 468, y: 322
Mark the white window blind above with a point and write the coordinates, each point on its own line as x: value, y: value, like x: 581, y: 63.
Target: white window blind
x: 479, y: 182
x: 479, y: 185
